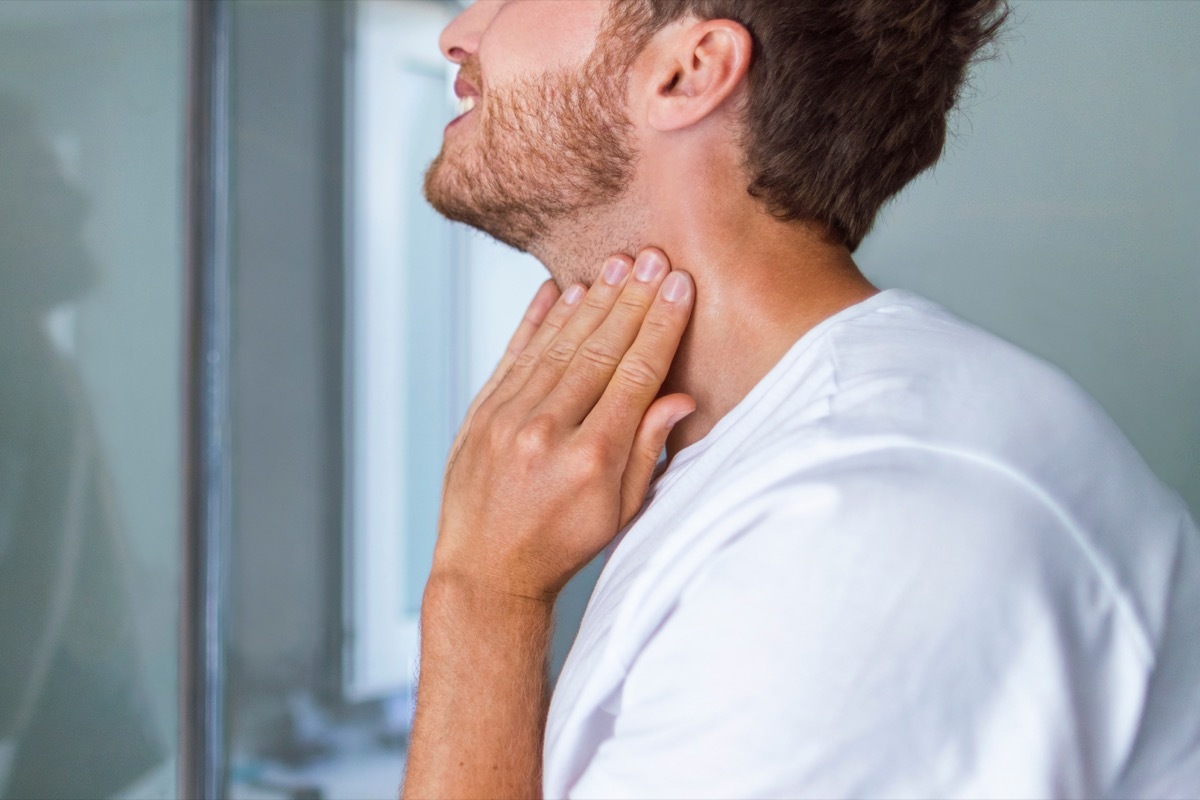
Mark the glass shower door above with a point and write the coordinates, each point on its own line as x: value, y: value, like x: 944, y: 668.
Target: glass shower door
x: 92, y: 100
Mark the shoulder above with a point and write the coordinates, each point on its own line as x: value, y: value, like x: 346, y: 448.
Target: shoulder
x: 916, y: 392
x: 901, y: 542
x: 897, y: 622
x: 912, y: 366
x: 876, y: 511
x: 907, y: 604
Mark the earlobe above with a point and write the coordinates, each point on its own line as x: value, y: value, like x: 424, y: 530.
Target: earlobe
x: 699, y: 67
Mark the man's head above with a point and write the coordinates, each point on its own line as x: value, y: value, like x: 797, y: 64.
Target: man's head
x: 834, y: 105
x: 43, y: 258
x: 548, y: 135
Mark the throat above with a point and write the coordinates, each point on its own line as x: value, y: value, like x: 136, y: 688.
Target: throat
x: 574, y: 250
x: 760, y: 286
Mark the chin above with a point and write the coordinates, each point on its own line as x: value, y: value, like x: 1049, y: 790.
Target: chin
x: 505, y: 219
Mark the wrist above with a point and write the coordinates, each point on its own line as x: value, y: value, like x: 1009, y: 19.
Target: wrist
x: 448, y: 590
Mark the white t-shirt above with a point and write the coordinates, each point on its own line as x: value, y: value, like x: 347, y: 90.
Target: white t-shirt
x: 914, y: 561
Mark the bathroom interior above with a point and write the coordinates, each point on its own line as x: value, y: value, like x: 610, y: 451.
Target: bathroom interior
x: 235, y: 344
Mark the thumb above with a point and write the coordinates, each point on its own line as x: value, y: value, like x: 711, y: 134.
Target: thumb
x: 648, y: 443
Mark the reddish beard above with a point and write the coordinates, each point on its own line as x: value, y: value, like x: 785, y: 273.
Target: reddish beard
x: 543, y: 150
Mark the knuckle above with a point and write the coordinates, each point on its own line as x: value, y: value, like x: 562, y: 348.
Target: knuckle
x: 601, y: 355
x: 484, y: 413
x: 497, y: 439
x: 557, y: 317
x: 553, y: 324
x: 536, y: 435
x: 659, y: 326
x: 561, y: 352
x: 639, y: 372
x: 525, y: 360
x: 499, y: 423
x: 632, y: 302
x: 596, y: 301
x: 593, y: 459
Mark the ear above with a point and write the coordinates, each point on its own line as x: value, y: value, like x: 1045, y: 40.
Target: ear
x: 696, y: 68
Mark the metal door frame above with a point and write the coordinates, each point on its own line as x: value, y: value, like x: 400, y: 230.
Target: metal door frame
x: 201, y: 760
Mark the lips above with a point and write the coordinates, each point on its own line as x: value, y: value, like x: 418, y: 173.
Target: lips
x: 468, y: 97
x: 464, y: 88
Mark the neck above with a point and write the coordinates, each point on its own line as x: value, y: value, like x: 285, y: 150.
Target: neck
x: 761, y: 284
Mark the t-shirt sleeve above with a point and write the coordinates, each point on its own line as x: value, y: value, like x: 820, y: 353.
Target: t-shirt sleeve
x: 931, y: 627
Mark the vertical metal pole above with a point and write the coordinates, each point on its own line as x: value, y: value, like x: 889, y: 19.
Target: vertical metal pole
x: 207, y: 472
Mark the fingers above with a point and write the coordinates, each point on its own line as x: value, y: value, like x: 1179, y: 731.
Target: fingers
x: 597, y: 345
x: 648, y: 444
x: 617, y: 278
x: 521, y: 363
x: 644, y: 365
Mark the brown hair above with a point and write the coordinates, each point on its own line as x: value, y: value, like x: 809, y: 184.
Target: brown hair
x: 848, y: 99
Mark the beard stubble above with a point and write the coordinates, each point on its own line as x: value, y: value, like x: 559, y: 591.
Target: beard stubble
x: 547, y: 149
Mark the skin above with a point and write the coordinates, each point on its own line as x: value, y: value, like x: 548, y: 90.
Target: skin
x: 558, y: 449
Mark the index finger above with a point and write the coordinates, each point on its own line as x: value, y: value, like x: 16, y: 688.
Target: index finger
x: 646, y: 363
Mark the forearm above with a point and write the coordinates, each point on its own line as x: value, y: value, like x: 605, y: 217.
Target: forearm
x: 482, y: 695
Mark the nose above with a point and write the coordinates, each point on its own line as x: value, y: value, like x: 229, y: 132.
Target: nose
x: 460, y: 40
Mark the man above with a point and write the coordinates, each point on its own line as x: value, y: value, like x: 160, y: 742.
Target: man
x: 888, y: 554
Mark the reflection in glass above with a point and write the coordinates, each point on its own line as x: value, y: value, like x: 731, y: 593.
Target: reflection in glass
x: 87, y: 569
x: 71, y: 704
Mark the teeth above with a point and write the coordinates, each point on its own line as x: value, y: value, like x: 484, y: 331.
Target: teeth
x: 465, y: 104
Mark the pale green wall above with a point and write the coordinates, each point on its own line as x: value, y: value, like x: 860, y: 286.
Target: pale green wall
x: 1064, y: 213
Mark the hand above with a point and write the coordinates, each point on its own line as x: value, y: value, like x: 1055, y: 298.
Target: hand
x: 558, y: 449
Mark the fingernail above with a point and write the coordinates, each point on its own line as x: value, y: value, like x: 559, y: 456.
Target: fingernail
x: 675, y: 288
x: 615, y: 271
x: 676, y: 418
x: 573, y: 293
x: 649, y: 264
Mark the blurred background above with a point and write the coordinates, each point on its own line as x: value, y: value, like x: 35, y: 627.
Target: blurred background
x: 1063, y: 217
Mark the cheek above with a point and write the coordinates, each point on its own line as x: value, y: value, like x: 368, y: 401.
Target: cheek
x: 533, y: 37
